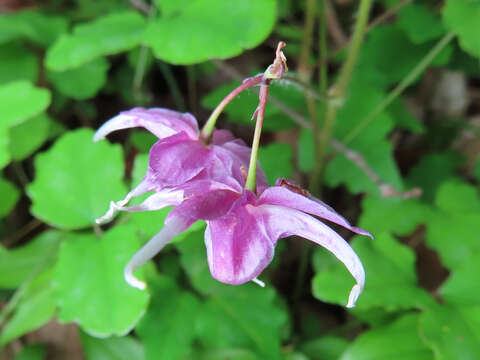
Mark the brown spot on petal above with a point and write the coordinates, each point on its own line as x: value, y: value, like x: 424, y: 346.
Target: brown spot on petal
x: 290, y: 185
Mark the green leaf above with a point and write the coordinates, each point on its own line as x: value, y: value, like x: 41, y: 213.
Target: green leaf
x: 107, y: 35
x: 456, y: 239
x: 391, y: 281
x: 35, y: 308
x: 359, y: 104
x: 404, y: 118
x: 452, y: 332
x: 32, y: 352
x: 242, y: 316
x: 240, y: 109
x: 167, y: 329
x: 398, y: 341
x: 461, y: 17
x: 454, y: 236
x: 216, y: 25
x: 89, y: 283
x: 420, y: 23
x: 114, y: 348
x: 89, y: 9
x: 397, y: 58
x: 431, y: 171
x: 29, y: 135
x: 35, y: 26
x: 455, y: 197
x: 82, y: 82
x: 143, y: 141
x: 222, y: 354
x: 10, y: 195
x: 327, y: 347
x: 17, y: 265
x: 20, y: 100
x: 17, y: 63
x: 462, y: 287
x: 394, y: 215
x: 276, y: 161
x: 194, y: 262
x: 87, y: 176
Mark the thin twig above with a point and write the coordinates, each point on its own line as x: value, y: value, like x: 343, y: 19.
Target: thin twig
x: 386, y: 190
x: 398, y: 90
x: 140, y: 5
x: 387, y: 14
x: 24, y: 231
x: 334, y: 28
x: 375, y: 22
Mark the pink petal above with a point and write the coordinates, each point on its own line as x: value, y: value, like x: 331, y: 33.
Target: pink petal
x: 214, y: 201
x: 278, y: 195
x: 177, y: 159
x: 171, y: 228
x: 157, y: 201
x: 282, y: 222
x: 160, y: 122
x: 220, y: 137
x: 238, y: 247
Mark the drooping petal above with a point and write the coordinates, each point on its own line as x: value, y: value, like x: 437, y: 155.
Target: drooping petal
x: 238, y: 247
x: 278, y: 195
x: 172, y: 227
x: 116, y: 206
x: 177, y: 159
x: 160, y: 122
x: 159, y: 200
x: 281, y: 222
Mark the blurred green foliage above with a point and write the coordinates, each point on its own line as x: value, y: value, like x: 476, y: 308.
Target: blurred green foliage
x: 64, y: 68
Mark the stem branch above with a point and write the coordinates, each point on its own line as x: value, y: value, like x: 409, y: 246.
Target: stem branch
x: 210, y: 124
x: 406, y: 82
x: 340, y: 88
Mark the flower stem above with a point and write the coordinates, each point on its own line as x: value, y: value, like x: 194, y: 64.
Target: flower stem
x: 210, y: 124
x: 339, y: 90
x: 407, y: 81
x: 323, y: 84
x: 251, y: 183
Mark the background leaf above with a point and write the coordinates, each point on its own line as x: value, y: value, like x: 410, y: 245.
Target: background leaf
x: 451, y: 332
x: 114, y: 348
x: 17, y: 63
x: 18, y: 264
x: 168, y: 329
x: 276, y: 161
x: 107, y: 35
x: 461, y: 17
x: 89, y: 283
x: 35, y: 308
x: 10, y: 195
x: 75, y: 180
x: 242, y: 316
x: 216, y: 36
x: 398, y: 341
x: 390, y: 269
x: 82, y: 82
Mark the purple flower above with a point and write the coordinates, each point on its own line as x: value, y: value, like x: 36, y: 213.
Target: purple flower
x: 179, y: 157
x: 243, y: 229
